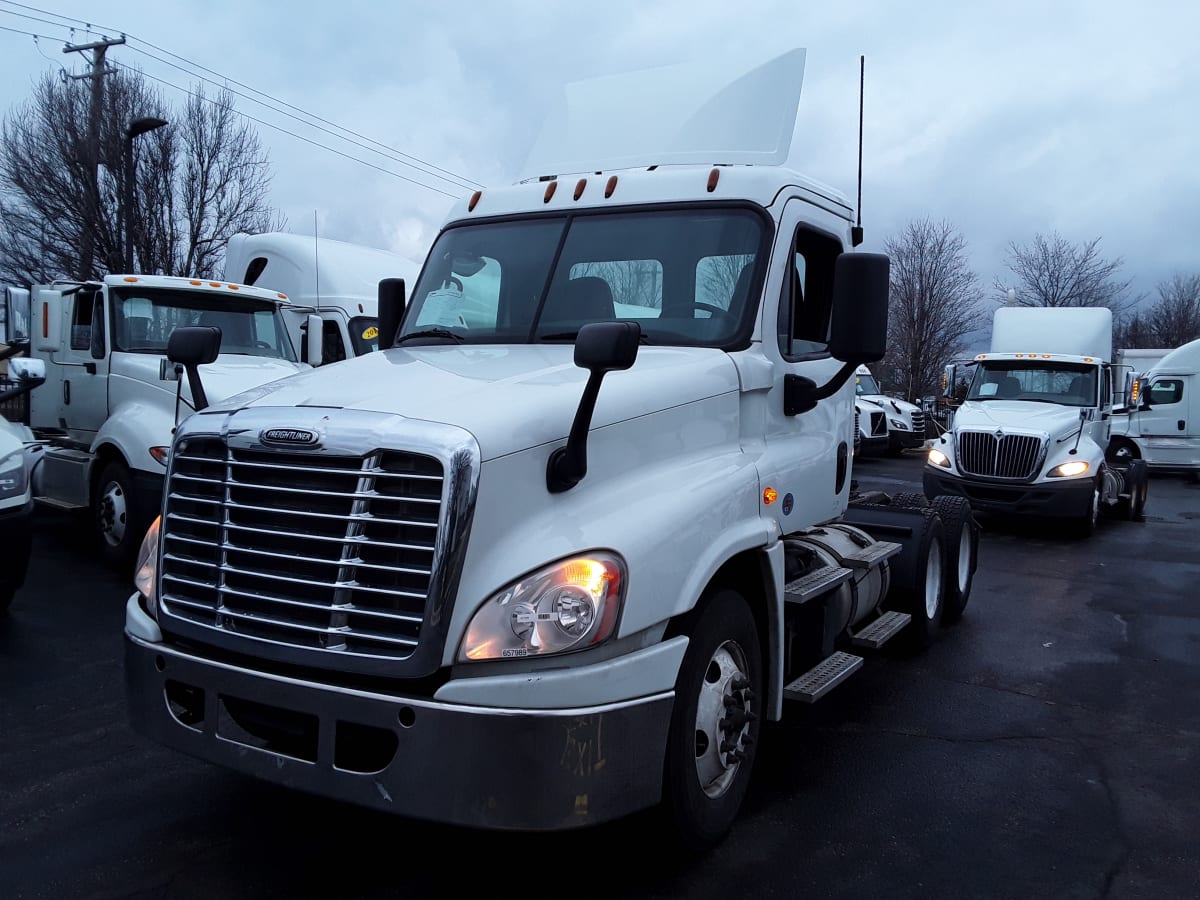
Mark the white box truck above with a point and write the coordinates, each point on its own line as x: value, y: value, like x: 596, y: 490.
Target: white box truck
x: 548, y: 566
x: 335, y: 280
x: 111, y: 399
x: 1162, y: 424
x: 1031, y: 437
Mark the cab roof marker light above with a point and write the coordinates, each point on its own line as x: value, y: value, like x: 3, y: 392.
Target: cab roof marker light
x: 232, y: 287
x: 551, y: 187
x: 197, y: 282
x: 713, y: 177
x: 284, y: 297
x: 130, y: 278
x: 579, y: 186
x: 214, y: 284
x: 610, y: 187
x: 474, y: 201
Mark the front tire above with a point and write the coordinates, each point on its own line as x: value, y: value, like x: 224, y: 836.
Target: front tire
x: 116, y: 516
x: 715, y: 723
x: 1086, y: 525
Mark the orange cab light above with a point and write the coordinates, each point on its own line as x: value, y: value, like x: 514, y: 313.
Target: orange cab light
x: 579, y: 188
x: 284, y: 297
x: 232, y: 287
x: 45, y: 320
x: 214, y: 284
x: 610, y: 187
x: 474, y: 201
x: 770, y: 495
x: 1045, y: 356
x: 551, y: 187
x: 130, y: 278
x: 713, y: 177
x: 1087, y: 359
x: 196, y: 282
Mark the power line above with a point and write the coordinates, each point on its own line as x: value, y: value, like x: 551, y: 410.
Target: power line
x: 407, y: 159
x: 293, y: 134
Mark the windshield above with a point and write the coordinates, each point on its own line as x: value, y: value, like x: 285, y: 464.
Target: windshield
x: 364, y: 334
x: 687, y: 276
x: 1069, y: 384
x: 866, y: 385
x: 143, y: 319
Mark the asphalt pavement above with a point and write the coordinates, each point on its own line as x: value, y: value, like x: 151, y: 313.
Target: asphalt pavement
x: 1047, y: 746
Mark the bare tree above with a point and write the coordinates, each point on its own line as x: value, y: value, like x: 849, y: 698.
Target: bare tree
x: 1174, y: 318
x: 1051, y: 271
x: 934, y: 304
x: 197, y: 181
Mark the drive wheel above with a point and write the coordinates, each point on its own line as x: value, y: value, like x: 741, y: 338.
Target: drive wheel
x: 923, y: 594
x: 910, y: 499
x: 1137, y: 476
x: 715, y: 723
x: 962, y: 553
x: 116, y: 516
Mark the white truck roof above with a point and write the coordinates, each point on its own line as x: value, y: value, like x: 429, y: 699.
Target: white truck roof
x: 1183, y: 360
x: 179, y: 282
x: 1061, y: 331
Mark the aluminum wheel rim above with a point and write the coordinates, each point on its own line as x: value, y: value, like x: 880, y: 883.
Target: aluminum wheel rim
x: 933, y: 579
x: 113, y: 513
x: 716, y: 767
x: 965, y: 549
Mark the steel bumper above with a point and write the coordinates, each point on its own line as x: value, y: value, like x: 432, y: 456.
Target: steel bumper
x: 1070, y: 498
x: 463, y: 765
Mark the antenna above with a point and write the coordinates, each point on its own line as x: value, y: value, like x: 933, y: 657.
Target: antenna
x: 316, y: 259
x: 856, y: 233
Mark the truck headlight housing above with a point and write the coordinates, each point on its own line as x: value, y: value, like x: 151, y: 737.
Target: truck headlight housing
x: 14, y: 476
x: 1068, y: 469
x: 145, y: 577
x: 568, y: 605
x: 897, y: 424
x: 938, y: 458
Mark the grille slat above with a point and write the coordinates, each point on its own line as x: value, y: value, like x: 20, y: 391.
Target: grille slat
x: 1014, y: 457
x: 315, y: 551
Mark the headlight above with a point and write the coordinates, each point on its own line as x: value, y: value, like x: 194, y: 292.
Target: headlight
x: 14, y: 477
x: 1068, y: 469
x: 145, y: 576
x: 568, y: 605
x: 938, y: 458
x: 896, y: 423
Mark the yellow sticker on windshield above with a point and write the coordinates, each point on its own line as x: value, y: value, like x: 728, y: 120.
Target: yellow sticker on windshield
x: 370, y: 334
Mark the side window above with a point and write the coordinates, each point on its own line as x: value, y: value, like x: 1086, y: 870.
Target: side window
x: 332, y: 347
x: 636, y: 285
x: 81, y: 322
x: 807, y: 306
x: 1166, y: 391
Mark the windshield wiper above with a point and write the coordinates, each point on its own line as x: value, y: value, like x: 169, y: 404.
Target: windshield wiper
x: 572, y: 335
x: 443, y: 333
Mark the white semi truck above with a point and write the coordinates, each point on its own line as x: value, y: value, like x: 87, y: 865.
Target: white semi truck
x: 334, y: 280
x: 109, y: 405
x: 904, y: 421
x: 1162, y: 422
x: 552, y: 565
x: 19, y: 451
x: 1032, y: 436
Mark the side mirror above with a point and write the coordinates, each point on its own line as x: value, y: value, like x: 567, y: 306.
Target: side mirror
x: 192, y: 347
x: 391, y: 310
x: 949, y: 380
x: 314, y: 340
x: 860, y: 307
x: 600, y: 347
x: 23, y: 368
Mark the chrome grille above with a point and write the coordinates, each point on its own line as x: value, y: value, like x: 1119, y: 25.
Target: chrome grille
x: 318, y: 551
x: 918, y: 422
x: 1010, y: 456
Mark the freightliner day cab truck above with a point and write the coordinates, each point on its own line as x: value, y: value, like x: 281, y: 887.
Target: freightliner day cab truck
x: 1032, y: 437
x: 549, y: 566
x: 1162, y: 422
x: 335, y: 280
x: 905, y: 422
x: 109, y: 405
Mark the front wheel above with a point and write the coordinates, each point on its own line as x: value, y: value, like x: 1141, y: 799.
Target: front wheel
x: 1085, y: 526
x: 116, y: 516
x: 715, y: 722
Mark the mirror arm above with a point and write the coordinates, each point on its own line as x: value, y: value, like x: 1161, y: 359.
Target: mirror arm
x: 568, y: 464
x: 800, y: 394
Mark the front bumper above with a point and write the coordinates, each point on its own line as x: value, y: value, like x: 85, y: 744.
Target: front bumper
x: 905, y: 440
x: 16, y: 544
x: 1067, y: 499
x: 518, y: 769
x: 871, y: 446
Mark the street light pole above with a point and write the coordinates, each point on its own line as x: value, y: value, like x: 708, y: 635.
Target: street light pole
x: 137, y: 127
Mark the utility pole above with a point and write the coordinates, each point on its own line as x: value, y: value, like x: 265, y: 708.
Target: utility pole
x: 87, y: 250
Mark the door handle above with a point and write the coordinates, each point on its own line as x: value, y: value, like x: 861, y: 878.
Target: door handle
x: 67, y: 393
x: 1182, y: 424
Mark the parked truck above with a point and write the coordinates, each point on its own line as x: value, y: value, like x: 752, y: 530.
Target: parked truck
x: 334, y: 280
x: 1161, y: 424
x: 1032, y: 436
x: 871, y: 422
x: 905, y: 422
x: 18, y: 453
x: 111, y: 398
x: 546, y: 567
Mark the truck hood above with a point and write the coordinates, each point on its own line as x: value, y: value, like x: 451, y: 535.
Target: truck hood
x: 1018, y: 416
x: 509, y: 397
x: 890, y: 403
x: 230, y: 374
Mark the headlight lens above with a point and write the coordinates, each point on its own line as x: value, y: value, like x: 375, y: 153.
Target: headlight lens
x: 938, y: 458
x: 565, y: 606
x: 1068, y: 469
x: 14, y: 477
x: 145, y: 570
x: 896, y: 423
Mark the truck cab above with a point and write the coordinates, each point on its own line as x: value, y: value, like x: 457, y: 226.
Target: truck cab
x: 334, y: 280
x: 1030, y: 439
x: 110, y: 400
x: 1162, y: 423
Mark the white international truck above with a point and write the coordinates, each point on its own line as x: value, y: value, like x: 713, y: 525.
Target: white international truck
x: 549, y: 566
x: 1162, y: 422
x: 904, y: 421
x: 109, y: 405
x: 335, y: 280
x: 1032, y: 436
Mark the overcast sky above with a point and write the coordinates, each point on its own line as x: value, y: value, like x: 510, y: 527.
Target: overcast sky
x: 1005, y: 119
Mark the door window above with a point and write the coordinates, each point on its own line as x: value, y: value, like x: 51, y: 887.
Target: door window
x: 805, y: 314
x: 1166, y: 391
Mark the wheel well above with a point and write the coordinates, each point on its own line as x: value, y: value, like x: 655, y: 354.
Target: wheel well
x: 105, y: 454
x: 747, y: 573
